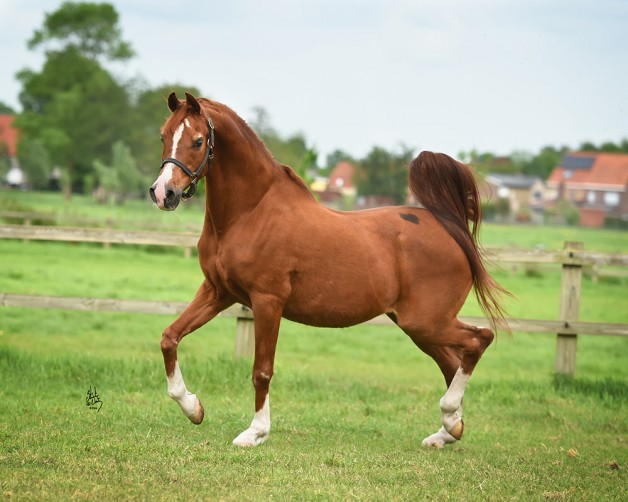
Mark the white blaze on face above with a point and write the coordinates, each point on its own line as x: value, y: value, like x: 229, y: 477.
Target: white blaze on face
x: 166, y: 173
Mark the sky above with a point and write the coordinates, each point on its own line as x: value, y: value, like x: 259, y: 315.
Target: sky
x: 492, y: 75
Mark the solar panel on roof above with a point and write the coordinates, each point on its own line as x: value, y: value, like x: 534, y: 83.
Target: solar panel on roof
x: 576, y: 162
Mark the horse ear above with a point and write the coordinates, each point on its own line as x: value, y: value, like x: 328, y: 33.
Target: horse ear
x: 192, y: 103
x: 173, y: 102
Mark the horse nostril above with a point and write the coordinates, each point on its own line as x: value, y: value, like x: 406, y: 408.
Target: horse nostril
x: 151, y: 192
x: 170, y: 195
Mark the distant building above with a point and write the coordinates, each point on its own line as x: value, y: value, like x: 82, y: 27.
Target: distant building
x: 595, y: 182
x: 8, y: 134
x: 9, y: 137
x: 524, y: 195
x: 338, y: 188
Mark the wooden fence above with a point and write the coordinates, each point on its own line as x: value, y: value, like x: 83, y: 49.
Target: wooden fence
x: 573, y: 258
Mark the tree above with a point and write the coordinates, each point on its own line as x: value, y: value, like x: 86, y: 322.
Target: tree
x: 5, y: 161
x: 607, y: 146
x: 90, y: 29
x: 121, y: 179
x: 487, y: 162
x: 6, y: 109
x: 74, y: 106
x: 292, y: 151
x: 35, y: 162
x: 544, y: 162
x: 384, y: 173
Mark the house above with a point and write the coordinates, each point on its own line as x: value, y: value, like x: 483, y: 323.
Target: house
x: 9, y: 137
x: 595, y: 182
x: 523, y: 196
x: 341, y: 179
x: 338, y: 188
x: 8, y: 134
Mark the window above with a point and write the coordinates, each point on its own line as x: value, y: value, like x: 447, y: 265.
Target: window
x: 611, y: 198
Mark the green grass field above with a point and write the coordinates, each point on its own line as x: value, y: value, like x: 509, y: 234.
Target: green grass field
x: 349, y: 407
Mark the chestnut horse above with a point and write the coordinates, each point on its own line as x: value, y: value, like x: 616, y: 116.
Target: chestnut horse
x: 268, y: 244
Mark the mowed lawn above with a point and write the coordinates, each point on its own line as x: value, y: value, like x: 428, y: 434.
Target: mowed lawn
x: 349, y: 407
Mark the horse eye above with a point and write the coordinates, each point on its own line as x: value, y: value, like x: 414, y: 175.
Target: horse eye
x: 198, y: 143
x: 161, y: 138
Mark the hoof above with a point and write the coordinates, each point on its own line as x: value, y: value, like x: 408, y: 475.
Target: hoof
x: 438, y: 440
x: 250, y: 438
x: 436, y: 443
x: 199, y: 413
x: 457, y: 430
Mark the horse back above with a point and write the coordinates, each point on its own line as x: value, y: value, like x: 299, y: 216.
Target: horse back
x: 333, y: 268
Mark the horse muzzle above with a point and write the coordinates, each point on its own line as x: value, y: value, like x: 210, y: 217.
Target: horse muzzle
x: 166, y: 198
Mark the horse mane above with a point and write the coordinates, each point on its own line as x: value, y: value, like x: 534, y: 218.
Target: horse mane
x: 253, y: 136
x: 293, y: 176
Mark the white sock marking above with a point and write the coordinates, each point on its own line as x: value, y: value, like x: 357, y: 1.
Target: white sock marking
x: 452, y: 400
x: 451, y: 411
x: 178, y: 392
x: 259, y: 429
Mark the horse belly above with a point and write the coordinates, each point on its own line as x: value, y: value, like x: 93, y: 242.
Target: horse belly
x: 338, y: 300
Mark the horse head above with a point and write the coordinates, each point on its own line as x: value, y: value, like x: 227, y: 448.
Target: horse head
x: 188, y: 140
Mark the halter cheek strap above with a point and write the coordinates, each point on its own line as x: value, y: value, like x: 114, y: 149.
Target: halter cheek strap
x: 195, y: 175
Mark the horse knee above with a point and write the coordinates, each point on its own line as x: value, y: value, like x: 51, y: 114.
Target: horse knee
x: 479, y: 341
x: 168, y: 343
x: 487, y: 336
x: 474, y: 348
x: 261, y: 378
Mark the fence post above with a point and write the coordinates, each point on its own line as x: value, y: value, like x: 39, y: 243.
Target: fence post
x: 245, y: 333
x: 566, y: 343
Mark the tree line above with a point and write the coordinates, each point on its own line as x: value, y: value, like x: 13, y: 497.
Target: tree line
x: 103, y: 133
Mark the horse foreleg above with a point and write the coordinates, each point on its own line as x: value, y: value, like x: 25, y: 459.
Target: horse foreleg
x: 471, y: 342
x: 267, y: 320
x: 202, y: 309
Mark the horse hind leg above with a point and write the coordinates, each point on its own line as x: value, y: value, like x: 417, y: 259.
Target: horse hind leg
x: 462, y: 346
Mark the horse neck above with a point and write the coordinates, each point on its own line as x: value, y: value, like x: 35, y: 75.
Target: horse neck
x: 241, y: 173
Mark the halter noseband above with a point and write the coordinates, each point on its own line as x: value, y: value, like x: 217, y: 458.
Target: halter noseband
x: 195, y: 175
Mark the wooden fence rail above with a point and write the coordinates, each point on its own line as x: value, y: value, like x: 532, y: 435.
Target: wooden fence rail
x: 189, y: 240
x: 240, y: 311
x: 28, y: 218
x: 573, y: 258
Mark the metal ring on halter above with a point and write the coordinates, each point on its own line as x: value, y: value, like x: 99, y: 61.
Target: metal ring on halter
x: 195, y: 175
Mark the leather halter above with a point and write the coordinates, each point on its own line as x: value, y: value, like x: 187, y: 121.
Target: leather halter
x: 207, y: 159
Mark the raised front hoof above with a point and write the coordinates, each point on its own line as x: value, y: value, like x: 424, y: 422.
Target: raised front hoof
x: 457, y: 430
x: 199, y: 413
x: 438, y: 440
x: 250, y: 437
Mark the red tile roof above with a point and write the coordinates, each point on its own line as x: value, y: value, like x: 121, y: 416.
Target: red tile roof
x: 8, y: 134
x: 608, y: 171
x: 342, y: 175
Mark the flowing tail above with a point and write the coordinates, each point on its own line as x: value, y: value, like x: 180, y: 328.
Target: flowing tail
x: 448, y: 190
